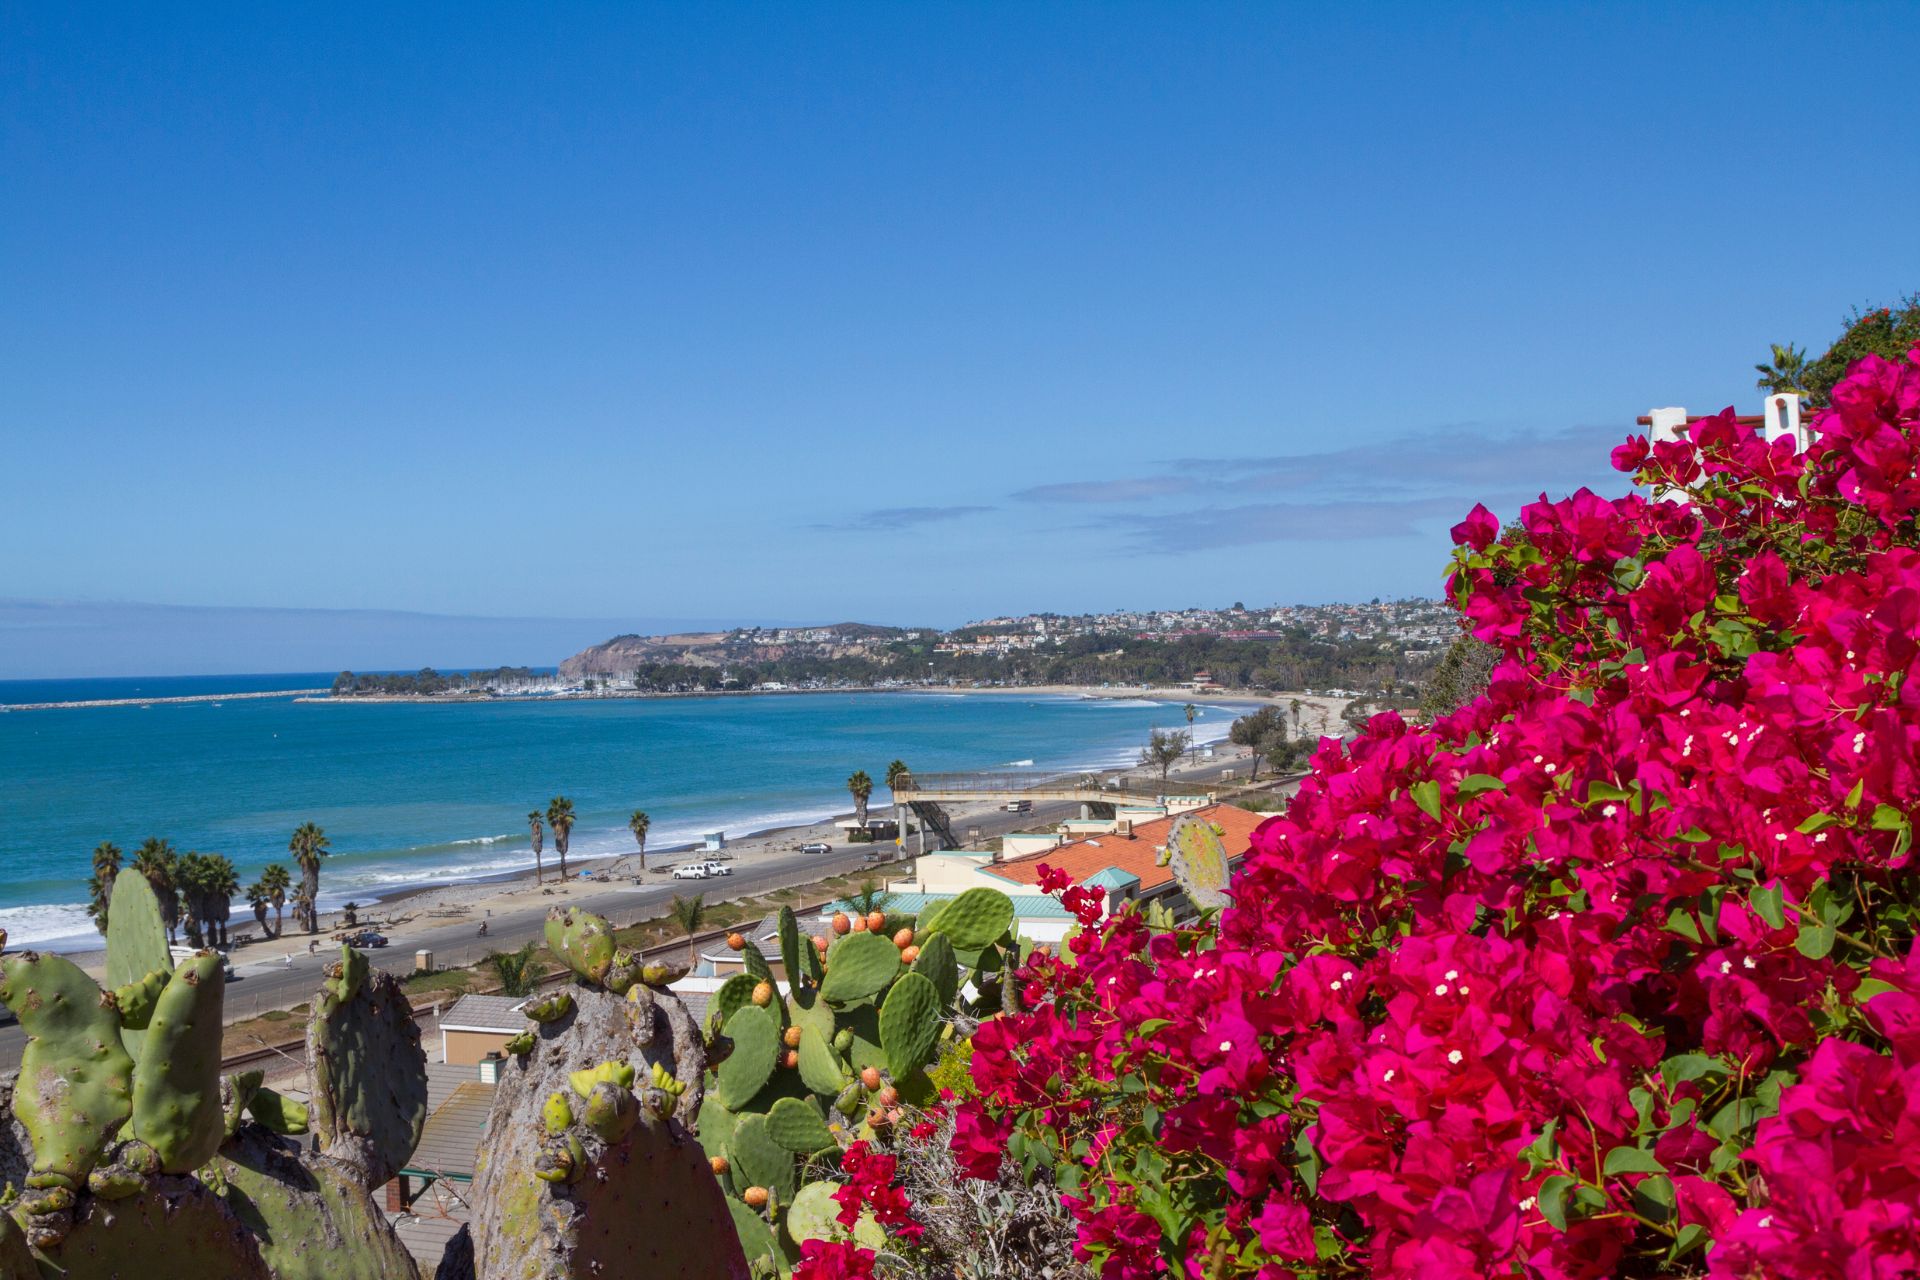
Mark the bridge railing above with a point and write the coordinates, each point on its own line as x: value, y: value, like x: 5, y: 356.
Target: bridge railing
x: 1009, y: 783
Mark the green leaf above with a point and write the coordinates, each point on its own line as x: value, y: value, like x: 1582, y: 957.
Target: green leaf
x: 1598, y: 792
x: 1817, y: 822
x: 1654, y: 1198
x: 1475, y: 783
x: 1871, y: 987
x: 1768, y: 904
x: 1690, y: 1066
x: 1427, y: 795
x: 1681, y: 921
x: 1816, y: 940
x: 1632, y: 1160
x: 1552, y: 1200
x: 1689, y: 1238
x: 1888, y: 818
x: 1853, y: 796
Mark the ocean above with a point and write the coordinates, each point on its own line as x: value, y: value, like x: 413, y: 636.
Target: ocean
x: 413, y: 794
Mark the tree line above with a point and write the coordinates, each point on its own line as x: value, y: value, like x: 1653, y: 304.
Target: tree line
x: 196, y: 889
x: 427, y: 682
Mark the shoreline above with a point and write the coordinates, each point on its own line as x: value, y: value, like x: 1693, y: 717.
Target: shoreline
x: 298, y: 695
x: 469, y: 896
x: 1156, y: 693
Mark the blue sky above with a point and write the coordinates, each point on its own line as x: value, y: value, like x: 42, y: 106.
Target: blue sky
x: 908, y: 313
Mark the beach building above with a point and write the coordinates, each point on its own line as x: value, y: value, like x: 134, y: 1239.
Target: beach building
x: 1120, y: 855
x: 479, y: 1025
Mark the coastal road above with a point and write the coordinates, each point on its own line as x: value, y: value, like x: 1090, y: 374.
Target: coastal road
x: 260, y: 985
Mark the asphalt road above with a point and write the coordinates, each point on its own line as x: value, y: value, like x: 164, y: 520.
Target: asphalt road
x: 260, y: 985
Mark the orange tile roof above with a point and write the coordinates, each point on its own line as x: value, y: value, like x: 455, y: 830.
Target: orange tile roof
x: 1133, y: 854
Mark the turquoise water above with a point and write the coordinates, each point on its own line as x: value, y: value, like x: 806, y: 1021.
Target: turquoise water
x: 412, y: 794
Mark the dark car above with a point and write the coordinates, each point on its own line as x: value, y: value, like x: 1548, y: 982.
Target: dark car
x: 367, y: 938
x: 818, y: 846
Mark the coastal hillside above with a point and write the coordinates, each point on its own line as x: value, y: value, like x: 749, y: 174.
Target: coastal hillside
x: 624, y: 655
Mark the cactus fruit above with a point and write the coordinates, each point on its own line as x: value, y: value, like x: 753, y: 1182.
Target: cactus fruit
x: 136, y: 942
x: 791, y: 1036
x: 561, y: 1159
x: 840, y: 922
x: 616, y: 1073
x: 75, y: 1088
x: 176, y: 1083
x: 719, y: 1166
x: 843, y: 1040
x: 756, y: 1040
x: 876, y: 921
x: 583, y: 942
x: 369, y: 1073
x: 859, y: 924
x: 552, y: 1009
x: 870, y: 1077
x: 763, y: 994
x: 910, y: 1023
x: 611, y: 1111
x: 755, y: 1197
x: 557, y: 1113
x: 904, y: 938
x: 737, y: 941
x: 858, y: 968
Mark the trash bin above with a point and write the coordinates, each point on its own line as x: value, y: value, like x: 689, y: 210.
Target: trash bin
x: 423, y: 961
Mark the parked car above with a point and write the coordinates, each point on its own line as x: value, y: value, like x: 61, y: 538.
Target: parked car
x: 719, y: 869
x: 691, y: 871
x: 366, y: 938
x: 817, y: 846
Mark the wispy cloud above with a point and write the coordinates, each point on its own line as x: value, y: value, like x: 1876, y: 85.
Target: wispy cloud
x: 1134, y: 490
x: 1206, y: 529
x: 900, y: 518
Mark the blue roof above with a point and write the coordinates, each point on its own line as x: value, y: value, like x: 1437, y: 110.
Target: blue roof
x: 1026, y: 906
x: 1113, y: 878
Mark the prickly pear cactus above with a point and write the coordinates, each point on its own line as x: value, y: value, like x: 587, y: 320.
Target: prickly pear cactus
x: 583, y: 942
x: 136, y: 943
x: 173, y: 1227
x: 590, y: 1168
x: 75, y: 1088
x: 369, y: 1072
x: 837, y: 1055
x: 1199, y: 860
x: 176, y: 1085
x: 313, y: 1219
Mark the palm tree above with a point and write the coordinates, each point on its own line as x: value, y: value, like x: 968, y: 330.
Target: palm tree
x: 516, y: 970
x: 1296, y: 706
x: 1786, y: 373
x: 308, y: 846
x: 275, y: 882
x: 533, y: 824
x: 896, y: 771
x: 560, y: 819
x: 861, y: 786
x: 1191, y: 713
x: 259, y: 897
x: 690, y: 914
x: 106, y: 865
x: 218, y: 883
x: 191, y: 875
x: 638, y: 824
x: 156, y: 860
x: 869, y: 898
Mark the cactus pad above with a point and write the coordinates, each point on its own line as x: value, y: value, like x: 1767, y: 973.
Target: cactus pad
x: 369, y: 1075
x: 798, y: 1127
x: 136, y: 940
x: 583, y: 942
x: 909, y: 1024
x: 815, y: 1215
x: 859, y: 968
x: 176, y: 1227
x: 757, y: 1240
x: 733, y: 994
x: 973, y: 919
x: 755, y: 964
x: 176, y: 1083
x: 756, y: 1048
x: 646, y: 1204
x: 313, y: 1219
x: 278, y: 1113
x: 1199, y: 861
x: 760, y: 1161
x: 936, y: 961
x: 75, y: 1088
x: 791, y: 944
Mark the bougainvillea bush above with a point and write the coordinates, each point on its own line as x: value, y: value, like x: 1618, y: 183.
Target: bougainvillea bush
x: 1612, y: 972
